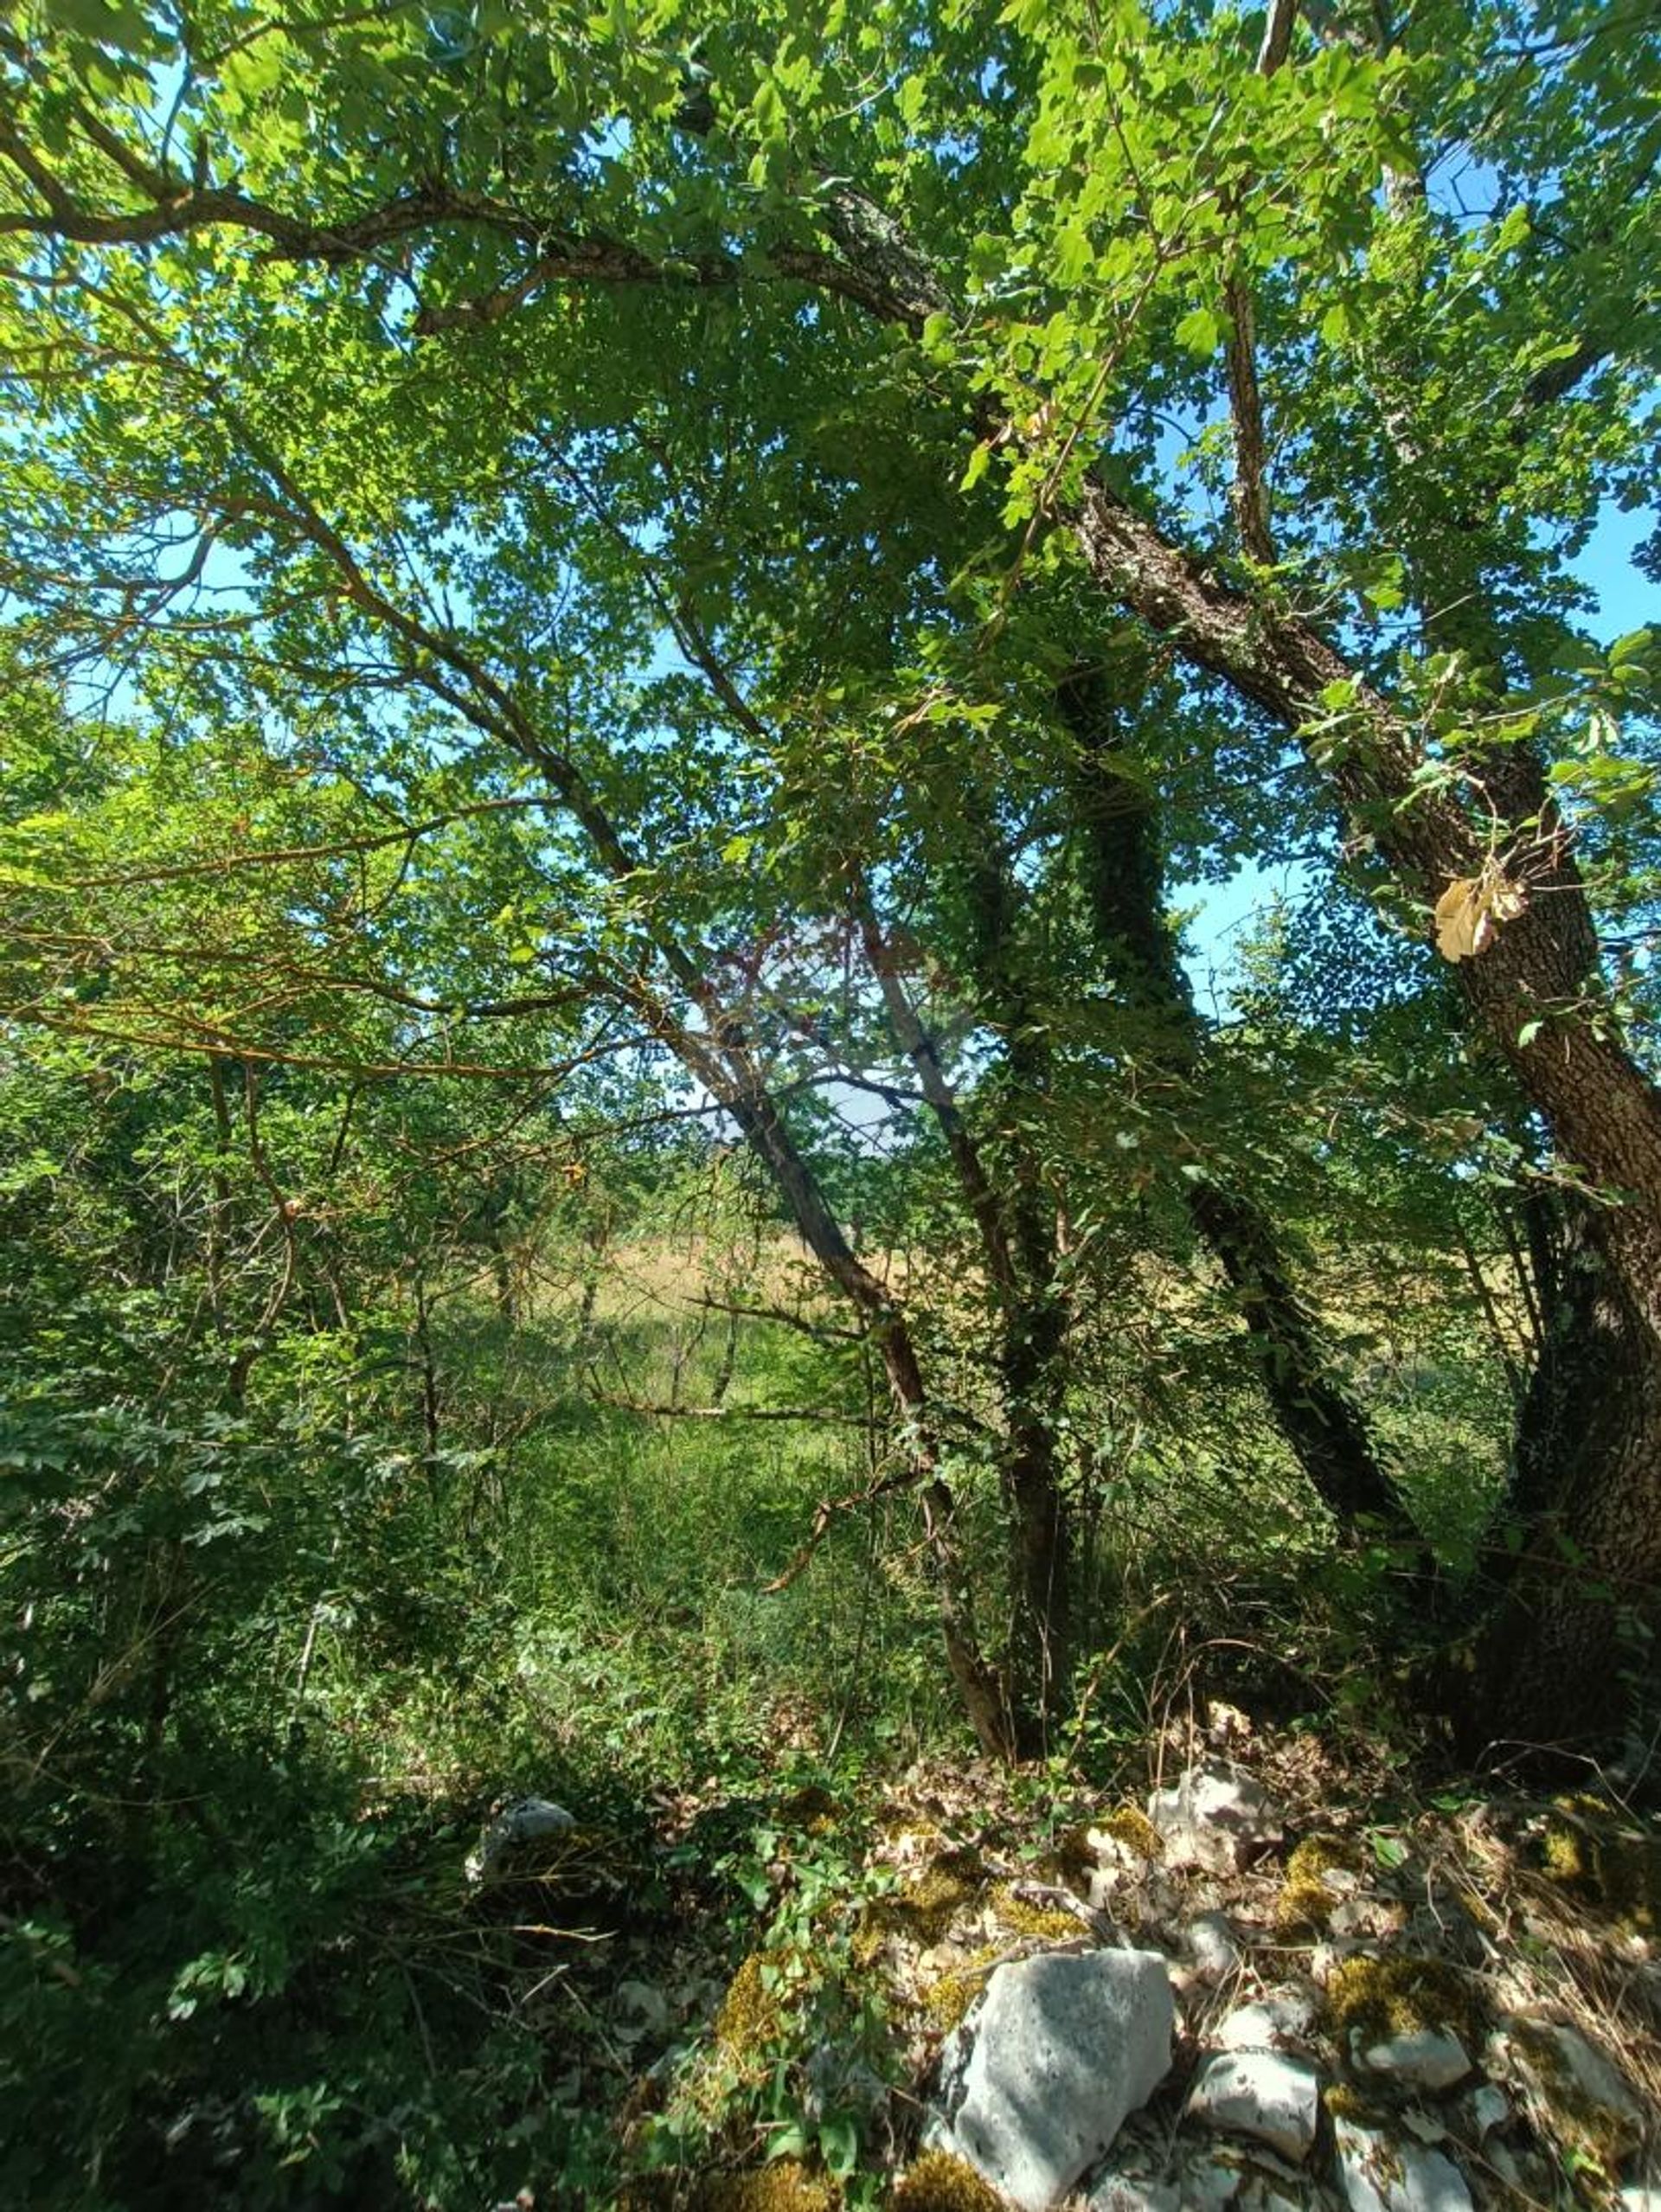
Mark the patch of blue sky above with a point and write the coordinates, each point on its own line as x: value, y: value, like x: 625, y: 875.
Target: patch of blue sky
x: 1223, y: 917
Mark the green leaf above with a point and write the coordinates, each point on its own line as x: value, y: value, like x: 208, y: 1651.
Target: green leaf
x: 838, y: 2145
x: 980, y: 461
x: 1199, y: 332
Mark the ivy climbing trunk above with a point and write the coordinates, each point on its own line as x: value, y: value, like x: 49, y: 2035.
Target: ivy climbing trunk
x: 1123, y: 875
x: 1017, y: 1249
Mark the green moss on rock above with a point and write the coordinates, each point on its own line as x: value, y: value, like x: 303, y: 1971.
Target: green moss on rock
x: 938, y: 2183
x: 785, y: 2186
x: 927, y: 1905
x: 947, y: 2000
x: 750, y: 2012
x: 1602, y: 1862
x: 1050, y: 1922
x: 1305, y: 1900
x: 1129, y: 1825
x: 1596, y: 2129
x: 1401, y: 1995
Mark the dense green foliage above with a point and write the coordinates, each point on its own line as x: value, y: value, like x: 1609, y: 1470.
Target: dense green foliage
x: 616, y: 629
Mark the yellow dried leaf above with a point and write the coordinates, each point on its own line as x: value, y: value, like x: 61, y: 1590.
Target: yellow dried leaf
x: 1457, y: 913
x: 1470, y: 910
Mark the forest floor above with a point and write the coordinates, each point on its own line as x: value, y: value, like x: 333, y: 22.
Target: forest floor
x: 770, y: 2033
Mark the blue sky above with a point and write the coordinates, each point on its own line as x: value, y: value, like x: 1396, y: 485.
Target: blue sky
x: 1228, y: 912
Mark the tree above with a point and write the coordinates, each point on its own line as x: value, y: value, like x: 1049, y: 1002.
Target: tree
x: 636, y: 439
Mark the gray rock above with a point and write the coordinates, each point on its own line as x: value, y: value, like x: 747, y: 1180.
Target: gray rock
x: 1379, y: 2175
x: 1209, y: 2184
x: 1486, y: 2108
x: 1427, y: 2058
x: 1216, y: 1817
x: 1212, y: 1947
x: 1123, y: 2193
x: 526, y: 1821
x: 1262, y: 2093
x: 1639, y: 2196
x: 1203, y: 2184
x: 1550, y: 2055
x: 1035, y: 2086
x: 1282, y: 2020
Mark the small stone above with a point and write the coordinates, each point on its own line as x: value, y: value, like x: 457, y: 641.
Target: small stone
x: 1368, y: 1916
x: 1485, y: 2109
x: 1217, y: 1817
x: 1261, y: 2094
x: 1283, y: 2019
x: 1212, y: 1946
x: 526, y: 1821
x: 1381, y: 2176
x: 1639, y: 2196
x: 1062, y: 2049
x: 1425, y: 2058
x: 1328, y: 1955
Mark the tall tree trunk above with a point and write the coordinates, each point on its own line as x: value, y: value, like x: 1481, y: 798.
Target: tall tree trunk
x: 1035, y: 1319
x: 1123, y: 874
x: 1020, y: 1264
x: 1574, y: 1555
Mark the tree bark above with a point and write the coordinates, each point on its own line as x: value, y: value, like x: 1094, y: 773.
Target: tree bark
x: 1020, y: 1264
x: 1035, y: 1319
x: 1578, y: 1552
x: 1123, y: 876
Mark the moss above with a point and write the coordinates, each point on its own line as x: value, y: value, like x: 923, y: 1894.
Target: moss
x: 1129, y: 1825
x: 782, y: 2187
x: 865, y: 1947
x: 1070, y: 1861
x: 1586, y: 1851
x: 938, y: 2183
x: 812, y: 1809
x: 750, y: 2012
x: 1401, y: 1996
x: 1345, y: 2103
x: 926, y: 1907
x: 1569, y: 2110
x: 1050, y: 1921
x: 1305, y: 1900
x: 947, y: 2000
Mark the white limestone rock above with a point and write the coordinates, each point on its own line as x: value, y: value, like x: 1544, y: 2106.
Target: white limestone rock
x: 1487, y: 2108
x: 1035, y: 2086
x: 1125, y: 2193
x: 526, y: 1821
x: 1260, y: 2094
x: 1426, y: 2058
x: 1216, y: 1817
x: 1379, y: 2174
x: 1282, y: 2020
x: 1212, y: 1947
